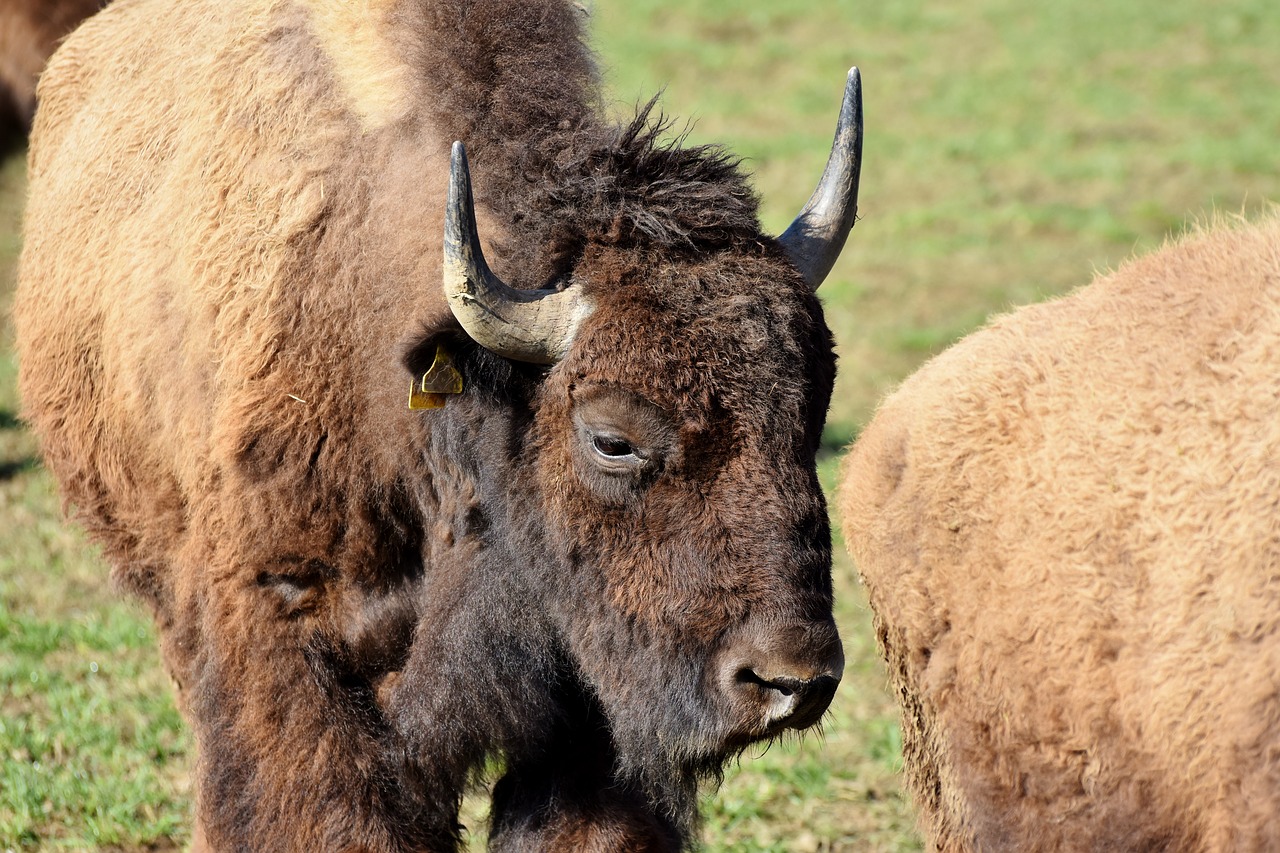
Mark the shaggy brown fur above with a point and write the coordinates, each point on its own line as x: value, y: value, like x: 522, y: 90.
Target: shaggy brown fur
x: 29, y: 31
x: 1067, y: 525
x: 233, y: 251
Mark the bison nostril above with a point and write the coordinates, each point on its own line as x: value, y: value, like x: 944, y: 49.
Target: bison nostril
x: 791, y: 702
x: 747, y: 675
x: 782, y: 684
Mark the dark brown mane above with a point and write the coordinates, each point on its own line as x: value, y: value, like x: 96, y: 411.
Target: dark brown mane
x: 637, y: 185
x: 527, y: 107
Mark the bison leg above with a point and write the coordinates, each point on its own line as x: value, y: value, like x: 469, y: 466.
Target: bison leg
x: 292, y: 743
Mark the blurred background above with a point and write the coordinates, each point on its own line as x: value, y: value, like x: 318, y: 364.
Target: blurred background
x: 1013, y: 150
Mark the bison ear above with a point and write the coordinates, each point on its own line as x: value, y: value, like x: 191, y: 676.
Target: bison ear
x: 479, y: 371
x: 815, y: 238
x: 440, y: 381
x: 536, y: 326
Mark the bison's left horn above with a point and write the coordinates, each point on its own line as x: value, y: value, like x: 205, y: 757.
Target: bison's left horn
x: 815, y: 238
x: 524, y: 325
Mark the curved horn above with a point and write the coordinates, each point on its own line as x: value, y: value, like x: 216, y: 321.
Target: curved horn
x: 524, y: 325
x: 815, y: 238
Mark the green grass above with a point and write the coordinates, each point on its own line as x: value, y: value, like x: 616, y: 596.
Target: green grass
x: 1011, y: 150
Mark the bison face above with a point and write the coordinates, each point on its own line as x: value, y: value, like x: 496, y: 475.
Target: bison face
x: 675, y: 464
x: 637, y: 564
x: 639, y: 547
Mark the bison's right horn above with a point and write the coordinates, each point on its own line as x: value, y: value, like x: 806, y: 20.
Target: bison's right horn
x: 815, y: 238
x: 536, y: 326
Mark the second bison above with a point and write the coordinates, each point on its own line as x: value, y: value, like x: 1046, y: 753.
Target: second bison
x: 1069, y: 528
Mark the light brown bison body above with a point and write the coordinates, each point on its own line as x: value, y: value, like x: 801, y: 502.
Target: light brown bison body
x: 29, y: 31
x: 605, y: 561
x: 1069, y: 528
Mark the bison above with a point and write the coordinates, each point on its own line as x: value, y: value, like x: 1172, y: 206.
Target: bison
x: 29, y: 31
x: 1068, y: 527
x: 399, y: 521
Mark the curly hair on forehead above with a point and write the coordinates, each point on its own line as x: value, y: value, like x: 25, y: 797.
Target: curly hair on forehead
x: 638, y: 183
x: 630, y: 185
x: 547, y: 163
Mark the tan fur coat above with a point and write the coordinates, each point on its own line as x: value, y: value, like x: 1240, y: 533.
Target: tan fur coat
x: 1069, y: 527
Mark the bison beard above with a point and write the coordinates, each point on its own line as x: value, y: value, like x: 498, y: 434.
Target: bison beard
x: 607, y: 574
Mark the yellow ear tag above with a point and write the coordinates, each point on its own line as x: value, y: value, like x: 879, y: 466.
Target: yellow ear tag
x: 443, y: 378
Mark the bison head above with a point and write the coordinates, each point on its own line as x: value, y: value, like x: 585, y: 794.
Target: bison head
x: 657, y: 576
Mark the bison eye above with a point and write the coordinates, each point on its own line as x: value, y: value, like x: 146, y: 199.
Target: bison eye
x: 616, y: 449
x: 622, y: 443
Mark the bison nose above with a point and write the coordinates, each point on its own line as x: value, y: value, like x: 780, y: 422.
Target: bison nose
x: 789, y: 702
x: 784, y: 677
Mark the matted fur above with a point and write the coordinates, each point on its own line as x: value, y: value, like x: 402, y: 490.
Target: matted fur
x: 233, y: 252
x: 1068, y: 528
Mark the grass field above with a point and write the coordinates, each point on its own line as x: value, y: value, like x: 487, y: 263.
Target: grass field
x: 1012, y: 149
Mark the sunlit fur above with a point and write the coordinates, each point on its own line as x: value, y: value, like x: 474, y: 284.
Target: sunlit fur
x: 1067, y: 528
x: 231, y: 271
